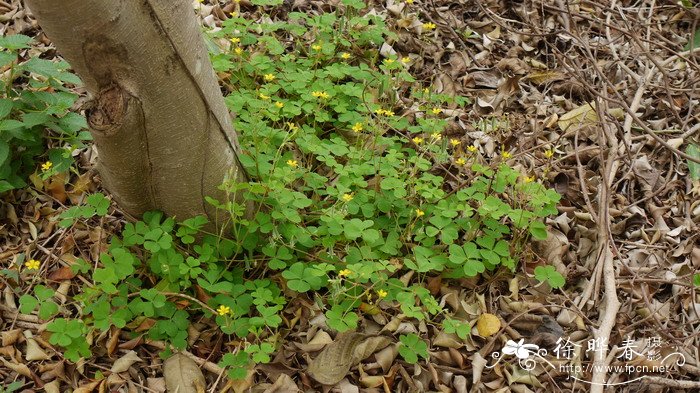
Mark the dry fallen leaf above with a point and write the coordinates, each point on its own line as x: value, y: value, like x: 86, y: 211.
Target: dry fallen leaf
x: 89, y: 387
x: 53, y: 387
x: 283, y: 384
x: 20, y: 369
x: 34, y: 351
x: 182, y: 375
x: 488, y: 324
x: 123, y: 363
x: 334, y: 362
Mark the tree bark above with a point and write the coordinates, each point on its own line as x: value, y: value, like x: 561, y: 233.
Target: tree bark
x: 157, y: 115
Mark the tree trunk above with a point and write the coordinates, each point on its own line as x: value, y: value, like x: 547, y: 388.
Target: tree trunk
x: 157, y: 115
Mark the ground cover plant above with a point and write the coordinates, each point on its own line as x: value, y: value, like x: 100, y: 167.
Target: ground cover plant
x: 366, y: 217
x: 348, y: 196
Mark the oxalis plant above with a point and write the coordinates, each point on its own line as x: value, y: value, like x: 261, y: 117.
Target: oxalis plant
x: 35, y: 107
x: 350, y: 192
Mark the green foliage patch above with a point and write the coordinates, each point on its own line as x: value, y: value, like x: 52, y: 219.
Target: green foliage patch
x: 35, y: 106
x: 349, y: 193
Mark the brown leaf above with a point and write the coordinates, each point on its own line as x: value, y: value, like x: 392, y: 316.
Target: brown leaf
x: 334, y: 362
x: 53, y: 387
x: 20, y: 369
x: 182, y: 375
x: 62, y: 273
x: 89, y: 387
x: 113, y: 340
x: 57, y: 189
x: 34, y: 351
x: 123, y: 363
x: 283, y: 384
x: 11, y: 336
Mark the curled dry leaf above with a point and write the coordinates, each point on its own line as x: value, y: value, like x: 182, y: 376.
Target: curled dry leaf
x: 182, y: 375
x: 123, y: 363
x: 53, y: 387
x: 88, y: 387
x: 317, y: 343
x: 11, y: 336
x: 385, y: 357
x: 34, y: 351
x: 283, y: 384
x: 334, y: 362
x: 20, y: 369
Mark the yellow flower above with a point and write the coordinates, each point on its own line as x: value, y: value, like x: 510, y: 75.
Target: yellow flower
x: 419, y: 213
x: 549, y: 153
x: 388, y: 61
x: 409, y: 1
x: 436, y: 135
x: 460, y: 161
x: 292, y: 126
x: 279, y: 104
x: 436, y: 111
x: 264, y: 97
x: 506, y: 155
x: 344, y: 55
x: 316, y: 47
x: 382, y: 294
x: 472, y: 148
x: 357, y: 127
x: 347, y: 197
x: 429, y: 26
x: 426, y: 90
x: 235, y: 40
x: 292, y: 163
x: 32, y: 264
x: 223, y: 310
x: 269, y: 77
x: 238, y: 50
x: 234, y: 14
x: 417, y: 140
x: 344, y: 273
x: 405, y: 59
x: 384, y: 112
x: 529, y: 179
x: 454, y: 142
x: 320, y: 94
x: 46, y: 166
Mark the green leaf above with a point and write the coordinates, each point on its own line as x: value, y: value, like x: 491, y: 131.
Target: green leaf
x: 692, y: 150
x: 538, y: 230
x: 5, y: 107
x: 47, y: 310
x: 550, y: 275
x: 43, y: 293
x: 15, y: 41
x: 99, y: 202
x: 694, y: 41
x: 27, y: 304
x: 7, y: 58
x: 4, y: 152
x: 411, y: 347
x: 473, y: 267
x: 696, y: 280
x: 340, y: 319
x: 356, y: 4
x: 461, y: 329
